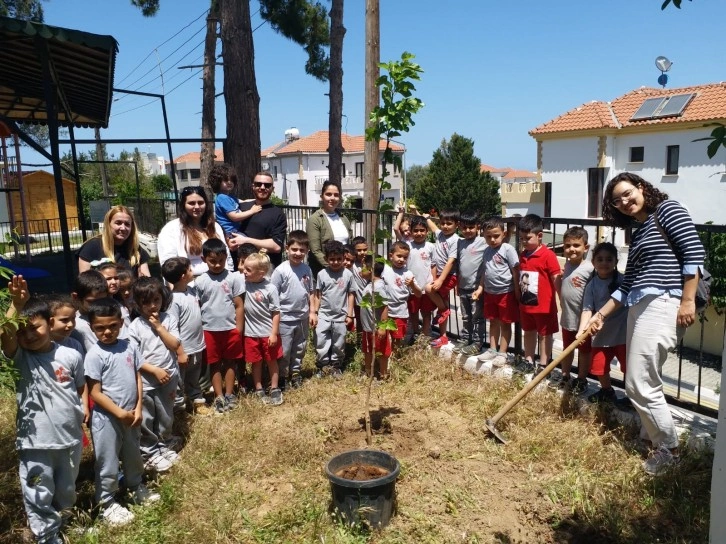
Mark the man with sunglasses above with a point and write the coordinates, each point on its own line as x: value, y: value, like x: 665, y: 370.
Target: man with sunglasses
x: 267, y: 228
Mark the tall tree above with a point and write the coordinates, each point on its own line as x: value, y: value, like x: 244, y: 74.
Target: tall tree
x: 455, y: 181
x: 371, y: 189
x: 206, y: 157
x: 414, y: 175
x: 303, y: 21
x: 335, y: 77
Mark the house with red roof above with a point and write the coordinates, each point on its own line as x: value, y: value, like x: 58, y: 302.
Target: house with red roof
x: 520, y: 190
x: 299, y: 166
x: 649, y: 131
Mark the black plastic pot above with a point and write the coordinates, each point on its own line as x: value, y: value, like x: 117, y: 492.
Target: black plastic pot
x: 368, y: 502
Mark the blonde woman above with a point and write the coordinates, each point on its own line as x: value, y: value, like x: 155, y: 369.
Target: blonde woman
x: 119, y: 242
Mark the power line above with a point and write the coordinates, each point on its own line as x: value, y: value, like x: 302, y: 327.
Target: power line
x: 162, y: 44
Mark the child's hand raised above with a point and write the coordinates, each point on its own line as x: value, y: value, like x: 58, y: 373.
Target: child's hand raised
x: 19, y: 292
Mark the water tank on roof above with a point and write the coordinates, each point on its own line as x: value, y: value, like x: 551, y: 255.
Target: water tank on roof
x: 292, y: 134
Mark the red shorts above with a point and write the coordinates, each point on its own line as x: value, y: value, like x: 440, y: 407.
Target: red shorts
x: 422, y: 304
x: 383, y: 345
x: 601, y: 358
x: 503, y: 307
x: 258, y: 350
x: 400, y: 331
x: 446, y: 287
x: 223, y: 345
x: 569, y: 336
x: 542, y: 323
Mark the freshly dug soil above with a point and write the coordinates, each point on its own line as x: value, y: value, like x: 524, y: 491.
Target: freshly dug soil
x: 362, y: 472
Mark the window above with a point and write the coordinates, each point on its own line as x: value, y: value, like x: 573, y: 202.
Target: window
x: 672, y: 152
x: 595, y: 184
x: 547, y: 198
x: 359, y: 170
x: 195, y: 173
x: 342, y: 171
x: 275, y: 171
x: 637, y: 154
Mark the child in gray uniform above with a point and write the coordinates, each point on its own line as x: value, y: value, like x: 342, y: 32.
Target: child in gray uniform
x: 114, y: 383
x: 262, y: 325
x: 470, y: 258
x: 48, y: 440
x: 185, y: 307
x: 156, y: 334
x: 334, y: 296
x: 90, y: 285
x: 294, y: 281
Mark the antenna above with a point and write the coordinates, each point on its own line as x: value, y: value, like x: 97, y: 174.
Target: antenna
x: 663, y: 64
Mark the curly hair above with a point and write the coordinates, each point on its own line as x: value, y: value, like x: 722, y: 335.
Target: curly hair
x: 651, y: 196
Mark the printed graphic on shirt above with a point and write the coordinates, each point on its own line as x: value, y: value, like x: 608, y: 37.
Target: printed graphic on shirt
x: 307, y: 283
x: 528, y: 286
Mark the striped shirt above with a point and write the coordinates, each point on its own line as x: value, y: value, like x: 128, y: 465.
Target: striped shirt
x: 653, y: 268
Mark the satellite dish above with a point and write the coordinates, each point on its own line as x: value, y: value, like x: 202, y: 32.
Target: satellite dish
x: 663, y: 64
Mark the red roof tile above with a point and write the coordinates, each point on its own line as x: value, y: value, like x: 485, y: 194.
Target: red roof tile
x: 317, y: 142
x: 709, y: 104
x: 193, y: 156
x: 487, y: 168
x: 516, y: 174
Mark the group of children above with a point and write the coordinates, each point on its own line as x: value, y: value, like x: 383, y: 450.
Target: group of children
x: 121, y: 355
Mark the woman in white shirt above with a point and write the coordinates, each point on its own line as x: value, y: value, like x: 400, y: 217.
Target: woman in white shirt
x: 184, y: 237
x: 326, y: 224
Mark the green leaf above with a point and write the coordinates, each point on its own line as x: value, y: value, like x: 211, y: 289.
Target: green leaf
x: 387, y: 325
x: 713, y: 148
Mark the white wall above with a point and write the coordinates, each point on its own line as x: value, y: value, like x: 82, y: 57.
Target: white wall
x: 565, y: 163
x: 700, y: 183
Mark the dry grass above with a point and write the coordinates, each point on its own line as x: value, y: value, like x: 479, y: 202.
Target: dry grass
x: 256, y: 475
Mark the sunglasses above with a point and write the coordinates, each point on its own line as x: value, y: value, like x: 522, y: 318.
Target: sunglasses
x: 194, y: 189
x: 260, y: 185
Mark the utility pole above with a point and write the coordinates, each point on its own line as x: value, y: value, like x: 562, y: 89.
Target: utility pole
x: 371, y: 187
x: 101, y: 156
x: 206, y: 157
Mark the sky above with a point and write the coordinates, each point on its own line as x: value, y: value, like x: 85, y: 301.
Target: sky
x: 493, y: 70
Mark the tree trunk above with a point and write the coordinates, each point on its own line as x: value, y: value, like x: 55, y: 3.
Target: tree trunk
x: 206, y: 157
x: 242, y: 146
x: 335, y: 77
x: 371, y: 188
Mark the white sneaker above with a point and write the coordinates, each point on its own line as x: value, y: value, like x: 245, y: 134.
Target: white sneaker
x: 660, y: 461
x: 158, y: 463
x: 116, y: 515
x: 171, y: 456
x: 499, y: 361
x: 142, y: 495
x: 488, y: 355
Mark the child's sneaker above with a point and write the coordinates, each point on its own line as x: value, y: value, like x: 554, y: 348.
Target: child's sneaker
x: 116, y: 515
x: 440, y: 342
x: 296, y: 381
x: 220, y: 405
x: 231, y: 401
x: 488, y: 355
x: 499, y: 361
x: 471, y: 349
x: 604, y: 395
x: 443, y: 316
x: 336, y: 373
x: 579, y: 386
x: 171, y: 456
x: 659, y: 461
x: 260, y: 394
x: 157, y: 463
x: 459, y: 345
x: 538, y: 370
x: 142, y: 495
x: 275, y: 397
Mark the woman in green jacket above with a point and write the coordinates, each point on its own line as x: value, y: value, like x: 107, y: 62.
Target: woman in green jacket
x: 326, y: 224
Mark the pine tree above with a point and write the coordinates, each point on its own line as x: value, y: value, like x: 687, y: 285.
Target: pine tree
x: 454, y: 181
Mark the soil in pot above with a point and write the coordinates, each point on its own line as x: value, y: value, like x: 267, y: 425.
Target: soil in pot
x: 361, y: 472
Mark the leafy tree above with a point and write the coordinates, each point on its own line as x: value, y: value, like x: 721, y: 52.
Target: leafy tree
x: 676, y: 3
x: 161, y: 183
x: 454, y: 181
x: 29, y: 10
x: 414, y: 175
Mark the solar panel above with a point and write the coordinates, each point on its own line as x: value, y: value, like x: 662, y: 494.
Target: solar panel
x: 674, y: 107
x: 648, y: 108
